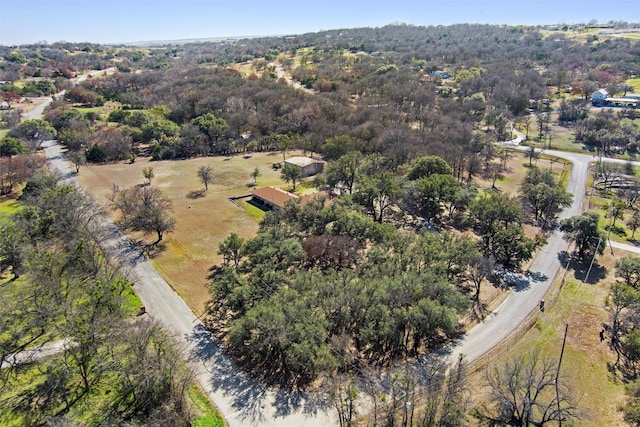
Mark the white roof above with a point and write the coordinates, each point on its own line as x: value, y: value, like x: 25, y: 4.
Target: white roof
x: 301, y: 161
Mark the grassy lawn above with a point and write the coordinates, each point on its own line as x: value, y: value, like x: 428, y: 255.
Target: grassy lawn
x: 94, y: 406
x: 204, y: 218
x: 7, y: 208
x: 634, y: 82
x: 205, y: 414
x: 581, y: 306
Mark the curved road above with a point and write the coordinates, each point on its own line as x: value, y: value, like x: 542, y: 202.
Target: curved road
x: 244, y: 401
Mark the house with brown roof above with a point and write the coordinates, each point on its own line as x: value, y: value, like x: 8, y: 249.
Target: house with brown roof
x: 272, y: 197
x: 276, y: 198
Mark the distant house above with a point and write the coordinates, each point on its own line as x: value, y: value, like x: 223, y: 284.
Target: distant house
x: 440, y: 73
x: 307, y: 165
x: 598, y: 97
x: 601, y: 97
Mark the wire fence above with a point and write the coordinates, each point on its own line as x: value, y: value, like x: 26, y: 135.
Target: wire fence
x: 502, y: 348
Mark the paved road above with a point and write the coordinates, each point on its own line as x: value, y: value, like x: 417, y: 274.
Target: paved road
x: 241, y: 400
x: 532, y: 288
x: 246, y: 402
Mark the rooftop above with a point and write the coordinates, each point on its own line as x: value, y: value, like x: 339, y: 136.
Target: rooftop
x: 302, y: 161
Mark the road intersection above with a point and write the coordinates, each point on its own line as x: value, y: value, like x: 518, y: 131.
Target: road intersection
x: 244, y: 401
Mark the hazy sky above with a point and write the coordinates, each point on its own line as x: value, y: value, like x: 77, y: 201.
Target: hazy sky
x: 120, y: 21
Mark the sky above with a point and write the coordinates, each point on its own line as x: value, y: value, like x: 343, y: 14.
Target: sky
x: 128, y: 21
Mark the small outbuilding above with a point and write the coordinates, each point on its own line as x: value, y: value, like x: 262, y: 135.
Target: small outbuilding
x: 307, y: 165
x: 598, y: 97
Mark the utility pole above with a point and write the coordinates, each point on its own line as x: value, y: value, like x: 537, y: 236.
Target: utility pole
x: 564, y: 340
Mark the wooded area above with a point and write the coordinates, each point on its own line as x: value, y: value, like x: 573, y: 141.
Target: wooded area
x: 342, y: 284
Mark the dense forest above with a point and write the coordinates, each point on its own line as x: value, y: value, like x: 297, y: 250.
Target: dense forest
x: 407, y: 118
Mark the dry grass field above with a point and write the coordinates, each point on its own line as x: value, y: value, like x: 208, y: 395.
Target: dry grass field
x: 581, y: 306
x: 204, y: 218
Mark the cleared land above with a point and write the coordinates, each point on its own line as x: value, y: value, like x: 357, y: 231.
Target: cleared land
x: 204, y: 218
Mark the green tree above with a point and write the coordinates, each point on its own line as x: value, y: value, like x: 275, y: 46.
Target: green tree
x: 428, y: 165
x: 46, y: 87
x: 498, y: 219
x: 35, y: 132
x: 545, y: 196
x: 137, y: 118
x: 631, y: 409
x: 148, y: 174
x: 212, y: 127
x: 159, y: 130
x: 16, y: 56
x: 583, y: 231
x: 634, y: 223
x: 292, y: 174
x: 10, y: 146
x: 378, y: 193
x: 629, y: 269
x: 284, y: 143
x: 205, y: 174
x: 624, y: 305
x: 344, y: 170
x: 255, y: 174
x: 231, y: 249
x: 433, y: 192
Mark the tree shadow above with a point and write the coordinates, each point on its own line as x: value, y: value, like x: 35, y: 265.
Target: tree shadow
x: 248, y: 395
x: 581, y: 268
x: 478, y: 311
x: 197, y: 194
x: 517, y: 280
x: 151, y: 250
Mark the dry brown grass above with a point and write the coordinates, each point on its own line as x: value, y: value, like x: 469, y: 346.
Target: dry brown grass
x: 581, y: 306
x: 204, y: 219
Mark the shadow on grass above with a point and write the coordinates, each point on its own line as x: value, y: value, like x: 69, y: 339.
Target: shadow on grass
x: 196, y: 194
x: 583, y: 270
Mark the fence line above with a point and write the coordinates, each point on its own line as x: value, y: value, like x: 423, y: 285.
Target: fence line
x: 499, y: 350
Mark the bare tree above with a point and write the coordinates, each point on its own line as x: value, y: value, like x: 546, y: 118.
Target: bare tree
x: 343, y: 397
x: 523, y: 392
x: 205, y: 173
x: 144, y: 209
x: 478, y: 270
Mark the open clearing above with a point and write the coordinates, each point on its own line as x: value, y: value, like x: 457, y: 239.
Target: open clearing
x: 204, y: 218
